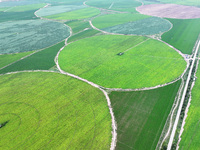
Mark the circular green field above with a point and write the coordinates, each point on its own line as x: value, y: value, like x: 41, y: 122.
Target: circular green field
x: 21, y: 36
x: 134, y: 24
x: 52, y: 111
x: 118, y: 61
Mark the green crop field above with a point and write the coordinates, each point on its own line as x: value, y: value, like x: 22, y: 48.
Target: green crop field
x: 17, y: 3
x: 144, y: 63
x: 52, y: 111
x: 84, y: 34
x: 76, y: 14
x: 191, y: 134
x: 14, y: 16
x: 183, y: 35
x: 43, y: 60
x: 141, y: 116
x: 116, y: 19
x: 20, y: 36
x: 9, y: 58
x: 131, y: 24
x: 120, y: 5
x: 78, y: 25
x: 26, y: 7
x: 58, y: 9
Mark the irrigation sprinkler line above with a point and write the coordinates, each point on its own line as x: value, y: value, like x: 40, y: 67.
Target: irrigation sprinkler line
x: 182, y: 100
x: 111, y: 5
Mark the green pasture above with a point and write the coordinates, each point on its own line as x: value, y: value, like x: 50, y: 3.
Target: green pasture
x: 21, y: 36
x: 78, y: 25
x: 137, y: 24
x: 116, y: 19
x: 52, y: 10
x: 76, y: 14
x: 14, y: 16
x: 52, y: 111
x: 143, y: 63
x: 120, y: 5
x: 9, y: 58
x: 26, y: 7
x: 191, y: 134
x: 43, y: 60
x: 183, y: 35
x: 84, y: 34
x: 141, y: 116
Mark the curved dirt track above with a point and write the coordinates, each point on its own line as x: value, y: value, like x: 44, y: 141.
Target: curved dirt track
x: 170, y: 11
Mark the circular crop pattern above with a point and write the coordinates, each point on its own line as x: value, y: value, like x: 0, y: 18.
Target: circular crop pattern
x: 170, y: 11
x: 68, y: 12
x: 52, y: 111
x: 136, y: 24
x: 21, y: 36
x: 52, y: 10
x: 117, y: 61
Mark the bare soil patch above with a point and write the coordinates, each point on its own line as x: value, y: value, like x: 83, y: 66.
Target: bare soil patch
x: 170, y: 11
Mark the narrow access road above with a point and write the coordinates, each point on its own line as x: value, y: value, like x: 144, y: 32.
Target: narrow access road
x: 182, y: 99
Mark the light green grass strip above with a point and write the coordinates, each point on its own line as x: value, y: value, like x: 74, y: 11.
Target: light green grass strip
x: 191, y: 134
x: 9, y: 58
x: 26, y: 7
x: 145, y: 64
x: 116, y: 19
x: 77, y: 14
x: 52, y: 111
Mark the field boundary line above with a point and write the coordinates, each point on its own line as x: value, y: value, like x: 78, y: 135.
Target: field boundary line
x: 183, y: 98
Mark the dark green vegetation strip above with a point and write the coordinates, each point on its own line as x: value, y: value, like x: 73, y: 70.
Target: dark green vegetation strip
x: 42, y: 60
x: 143, y: 62
x: 78, y: 25
x: 141, y: 116
x: 14, y: 16
x: 183, y: 35
x: 30, y: 35
x: 9, y: 58
x: 52, y: 111
x: 84, y: 34
x: 191, y: 134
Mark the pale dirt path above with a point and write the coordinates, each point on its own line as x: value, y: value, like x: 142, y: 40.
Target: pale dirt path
x: 28, y: 71
x: 111, y: 5
x: 182, y: 99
